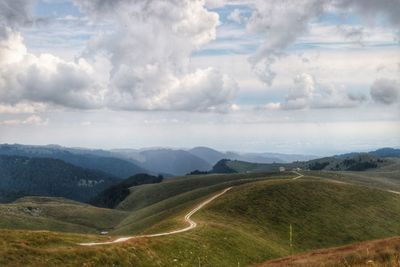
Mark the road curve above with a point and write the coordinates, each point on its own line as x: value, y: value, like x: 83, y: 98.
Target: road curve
x: 192, y: 224
x: 297, y: 177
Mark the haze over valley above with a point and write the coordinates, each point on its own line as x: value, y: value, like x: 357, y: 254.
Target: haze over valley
x: 199, y: 133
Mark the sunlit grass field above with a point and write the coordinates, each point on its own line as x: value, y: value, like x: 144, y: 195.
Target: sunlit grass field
x: 246, y: 226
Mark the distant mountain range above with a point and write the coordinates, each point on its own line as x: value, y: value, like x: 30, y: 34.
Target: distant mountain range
x: 100, y: 160
x: 180, y: 162
x: 166, y: 161
x: 213, y: 156
x: 123, y: 163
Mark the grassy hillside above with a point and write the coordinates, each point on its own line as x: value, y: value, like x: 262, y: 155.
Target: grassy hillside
x: 145, y: 205
x: 146, y: 195
x: 57, y: 214
x: 150, y: 204
x: 383, y: 253
x: 356, y: 162
x: 386, y: 177
x: 252, y: 221
x: 247, y: 225
x: 242, y: 166
x: 353, y: 162
x: 237, y: 166
x: 316, y: 209
x: 115, y: 194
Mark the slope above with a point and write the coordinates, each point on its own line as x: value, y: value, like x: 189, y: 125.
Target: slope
x: 382, y: 252
x: 247, y: 225
x: 355, y: 162
x: 22, y: 176
x: 57, y: 214
x: 152, y: 203
x: 251, y: 222
x: 115, y: 194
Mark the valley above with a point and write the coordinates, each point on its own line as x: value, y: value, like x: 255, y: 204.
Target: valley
x: 199, y: 133
x: 234, y: 219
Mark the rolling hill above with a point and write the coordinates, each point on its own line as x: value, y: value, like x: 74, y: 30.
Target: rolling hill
x: 236, y: 166
x: 386, y: 152
x: 252, y: 221
x: 354, y: 162
x: 115, y: 194
x: 23, y: 176
x: 57, y: 214
x: 246, y: 226
x: 382, y: 252
x: 343, y: 202
x: 153, y: 203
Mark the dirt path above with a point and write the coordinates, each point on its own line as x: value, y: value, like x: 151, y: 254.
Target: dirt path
x: 297, y: 177
x: 192, y: 224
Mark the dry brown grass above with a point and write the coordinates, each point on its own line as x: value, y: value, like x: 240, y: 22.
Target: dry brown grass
x: 384, y: 252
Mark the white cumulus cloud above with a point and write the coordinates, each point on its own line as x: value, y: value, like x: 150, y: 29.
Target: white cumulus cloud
x: 43, y: 78
x: 281, y: 23
x: 141, y: 63
x: 306, y: 93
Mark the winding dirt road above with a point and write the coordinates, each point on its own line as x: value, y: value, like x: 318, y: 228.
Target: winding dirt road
x: 297, y: 177
x: 192, y: 224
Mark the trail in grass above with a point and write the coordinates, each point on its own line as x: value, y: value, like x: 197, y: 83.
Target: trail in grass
x: 192, y: 225
x: 394, y: 192
x: 297, y: 177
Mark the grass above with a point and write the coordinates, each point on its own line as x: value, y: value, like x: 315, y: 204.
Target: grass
x: 384, y: 253
x: 246, y: 226
x: 383, y: 178
x: 146, y: 206
x: 27, y: 248
x: 251, y: 223
x: 322, y: 213
x: 246, y: 167
x: 57, y: 214
x: 178, y: 194
x: 146, y: 195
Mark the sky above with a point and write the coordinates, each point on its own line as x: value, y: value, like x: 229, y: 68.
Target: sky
x: 307, y: 76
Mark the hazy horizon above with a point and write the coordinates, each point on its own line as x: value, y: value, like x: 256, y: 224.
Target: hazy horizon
x: 307, y: 77
x: 327, y: 153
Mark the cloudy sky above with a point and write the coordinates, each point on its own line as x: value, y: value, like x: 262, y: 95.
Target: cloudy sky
x: 304, y: 76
